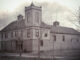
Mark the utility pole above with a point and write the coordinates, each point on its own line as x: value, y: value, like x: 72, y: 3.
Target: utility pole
x: 53, y: 46
x: 53, y: 49
x: 39, y: 38
x: 39, y: 48
x: 20, y: 45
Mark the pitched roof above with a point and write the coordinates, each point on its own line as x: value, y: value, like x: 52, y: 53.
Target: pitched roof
x: 15, y: 25
x: 44, y: 25
x: 21, y: 24
x: 64, y: 30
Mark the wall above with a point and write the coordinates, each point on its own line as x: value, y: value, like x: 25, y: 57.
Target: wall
x: 47, y: 43
x: 70, y: 41
x: 0, y: 41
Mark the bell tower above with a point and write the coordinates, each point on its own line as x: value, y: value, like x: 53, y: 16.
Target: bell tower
x: 33, y: 18
x: 33, y: 15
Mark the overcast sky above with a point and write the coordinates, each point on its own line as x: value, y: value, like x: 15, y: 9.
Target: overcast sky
x: 60, y: 10
x: 10, y: 5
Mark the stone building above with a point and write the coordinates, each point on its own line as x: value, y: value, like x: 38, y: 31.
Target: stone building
x: 28, y: 33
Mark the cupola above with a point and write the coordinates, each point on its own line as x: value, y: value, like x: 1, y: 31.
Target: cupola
x: 56, y: 23
x: 20, y: 17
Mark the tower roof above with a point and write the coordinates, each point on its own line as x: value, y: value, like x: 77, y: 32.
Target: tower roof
x: 32, y: 4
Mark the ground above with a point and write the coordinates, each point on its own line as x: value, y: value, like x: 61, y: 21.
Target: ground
x: 27, y: 56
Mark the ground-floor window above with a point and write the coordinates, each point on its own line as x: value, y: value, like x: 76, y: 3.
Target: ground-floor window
x: 41, y: 42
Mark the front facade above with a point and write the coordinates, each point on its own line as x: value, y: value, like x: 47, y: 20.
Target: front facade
x: 30, y: 33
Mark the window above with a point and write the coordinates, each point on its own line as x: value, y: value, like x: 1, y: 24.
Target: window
x: 21, y: 33
x: 54, y: 38
x: 28, y: 17
x: 11, y: 34
x: 22, y: 45
x: 37, y: 17
x: 2, y: 36
x: 77, y: 40
x: 37, y: 33
x: 63, y: 38
x: 41, y: 42
x: 28, y: 33
x: 15, y: 33
x: 46, y: 35
x: 6, y: 36
x: 71, y: 40
x: 16, y: 42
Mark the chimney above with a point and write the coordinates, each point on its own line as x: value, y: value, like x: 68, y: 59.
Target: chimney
x: 20, y: 17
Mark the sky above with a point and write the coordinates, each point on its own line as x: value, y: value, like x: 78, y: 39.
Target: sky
x: 64, y: 11
x: 11, y: 5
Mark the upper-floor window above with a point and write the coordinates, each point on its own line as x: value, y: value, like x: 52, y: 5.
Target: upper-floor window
x: 28, y: 17
x: 22, y: 33
x: 37, y: 17
x: 77, y: 40
x: 71, y: 39
x: 11, y: 34
x: 46, y: 34
x: 28, y: 33
x: 37, y: 33
x: 16, y: 34
x: 2, y: 35
x: 63, y: 38
x: 54, y: 37
x: 6, y: 35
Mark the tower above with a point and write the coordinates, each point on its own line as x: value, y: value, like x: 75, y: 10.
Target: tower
x: 33, y: 18
x: 33, y: 15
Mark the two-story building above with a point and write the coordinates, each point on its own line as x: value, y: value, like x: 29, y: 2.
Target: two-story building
x: 31, y: 32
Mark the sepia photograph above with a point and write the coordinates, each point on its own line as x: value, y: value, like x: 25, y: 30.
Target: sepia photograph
x: 39, y: 29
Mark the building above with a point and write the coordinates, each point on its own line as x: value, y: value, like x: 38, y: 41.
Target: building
x: 28, y: 33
